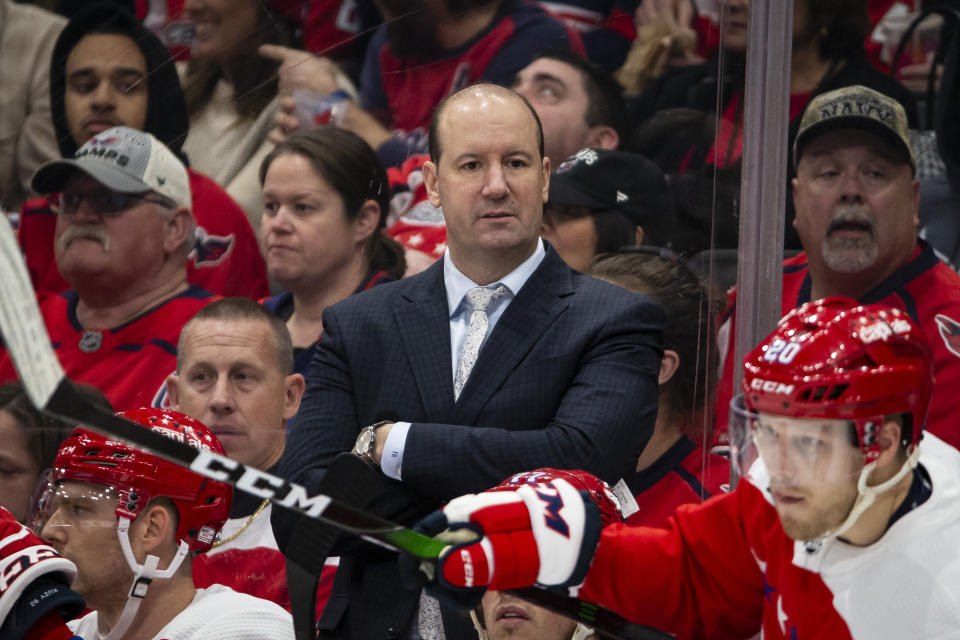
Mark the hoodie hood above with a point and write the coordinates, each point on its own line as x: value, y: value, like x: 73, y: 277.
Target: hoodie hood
x: 166, y: 108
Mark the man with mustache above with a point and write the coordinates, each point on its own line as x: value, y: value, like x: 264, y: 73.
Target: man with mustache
x: 124, y: 230
x: 857, y: 201
x: 108, y: 70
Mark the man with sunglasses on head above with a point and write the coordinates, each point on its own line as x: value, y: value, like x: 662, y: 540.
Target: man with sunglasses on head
x: 124, y: 230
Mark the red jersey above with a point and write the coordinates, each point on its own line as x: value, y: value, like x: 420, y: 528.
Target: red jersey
x: 684, y: 474
x: 225, y: 260
x: 251, y: 563
x: 413, y: 221
x: 128, y: 363
x: 726, y: 568
x: 924, y: 287
x: 408, y: 88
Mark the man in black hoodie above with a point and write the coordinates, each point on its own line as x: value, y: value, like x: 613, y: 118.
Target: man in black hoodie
x: 127, y: 77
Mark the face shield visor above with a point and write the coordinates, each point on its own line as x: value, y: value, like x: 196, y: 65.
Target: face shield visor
x: 793, y: 454
x: 74, y: 505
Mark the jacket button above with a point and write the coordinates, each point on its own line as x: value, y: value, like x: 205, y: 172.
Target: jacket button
x: 393, y: 632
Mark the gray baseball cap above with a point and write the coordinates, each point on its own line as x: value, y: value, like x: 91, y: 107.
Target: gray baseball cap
x: 124, y: 160
x: 855, y: 107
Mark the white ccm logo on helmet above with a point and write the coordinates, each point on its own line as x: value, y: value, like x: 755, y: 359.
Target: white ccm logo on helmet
x: 771, y: 386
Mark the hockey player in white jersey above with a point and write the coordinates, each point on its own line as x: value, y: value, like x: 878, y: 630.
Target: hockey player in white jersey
x: 844, y: 524
x: 129, y: 522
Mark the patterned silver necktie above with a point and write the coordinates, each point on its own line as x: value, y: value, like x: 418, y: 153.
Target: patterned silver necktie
x: 429, y: 621
x: 479, y: 298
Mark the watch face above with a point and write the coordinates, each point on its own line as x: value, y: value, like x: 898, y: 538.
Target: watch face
x: 364, y: 441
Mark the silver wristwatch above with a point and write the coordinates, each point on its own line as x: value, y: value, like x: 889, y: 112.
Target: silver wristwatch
x: 366, y: 444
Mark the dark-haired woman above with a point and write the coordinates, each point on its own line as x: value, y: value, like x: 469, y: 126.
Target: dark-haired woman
x: 676, y: 466
x: 231, y: 93
x: 326, y: 198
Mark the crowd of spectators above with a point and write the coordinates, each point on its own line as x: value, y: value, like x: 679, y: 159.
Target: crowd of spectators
x: 422, y: 196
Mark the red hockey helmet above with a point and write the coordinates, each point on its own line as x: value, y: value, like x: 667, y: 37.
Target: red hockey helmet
x: 838, y: 359
x: 582, y: 480
x: 203, y: 505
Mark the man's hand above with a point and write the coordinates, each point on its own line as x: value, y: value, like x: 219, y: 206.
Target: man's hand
x: 303, y: 70
x: 665, y: 39
x: 34, y: 580
x: 285, y: 123
x: 542, y: 533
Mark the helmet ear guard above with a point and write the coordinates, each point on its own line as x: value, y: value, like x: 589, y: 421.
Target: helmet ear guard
x: 837, y: 359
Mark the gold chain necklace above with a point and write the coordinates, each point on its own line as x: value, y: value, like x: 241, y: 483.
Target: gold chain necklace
x: 243, y: 527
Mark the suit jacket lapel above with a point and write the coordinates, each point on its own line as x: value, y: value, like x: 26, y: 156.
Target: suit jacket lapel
x: 424, y: 326
x: 538, y: 303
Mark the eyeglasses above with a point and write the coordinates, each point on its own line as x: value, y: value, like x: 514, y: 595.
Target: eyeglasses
x: 108, y: 203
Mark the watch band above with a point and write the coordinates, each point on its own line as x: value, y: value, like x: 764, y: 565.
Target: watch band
x: 366, y: 444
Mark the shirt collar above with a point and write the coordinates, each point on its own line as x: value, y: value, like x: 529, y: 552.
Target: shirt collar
x: 458, y: 284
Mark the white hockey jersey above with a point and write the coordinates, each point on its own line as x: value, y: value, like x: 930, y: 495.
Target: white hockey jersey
x: 216, y: 613
x: 726, y: 568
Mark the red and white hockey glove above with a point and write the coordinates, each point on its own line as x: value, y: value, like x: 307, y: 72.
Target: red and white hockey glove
x: 34, y: 580
x: 543, y: 533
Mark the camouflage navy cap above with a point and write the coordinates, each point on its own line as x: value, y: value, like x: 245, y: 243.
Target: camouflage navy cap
x: 855, y: 107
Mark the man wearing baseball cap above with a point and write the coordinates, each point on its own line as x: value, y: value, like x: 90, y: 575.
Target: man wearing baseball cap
x: 857, y: 202
x: 124, y: 229
x: 601, y: 200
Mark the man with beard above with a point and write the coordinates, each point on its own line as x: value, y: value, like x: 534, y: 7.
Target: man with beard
x: 424, y: 51
x: 124, y: 230
x: 857, y: 201
x: 840, y: 504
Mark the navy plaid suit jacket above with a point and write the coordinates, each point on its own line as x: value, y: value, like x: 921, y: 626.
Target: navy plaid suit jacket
x: 567, y: 378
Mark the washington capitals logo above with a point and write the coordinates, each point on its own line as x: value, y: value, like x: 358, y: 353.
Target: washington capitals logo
x: 950, y: 332
x: 210, y: 250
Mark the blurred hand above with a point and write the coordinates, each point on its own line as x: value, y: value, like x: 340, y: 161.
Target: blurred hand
x: 673, y: 18
x: 285, y: 123
x: 673, y: 13
x: 914, y: 76
x: 302, y: 70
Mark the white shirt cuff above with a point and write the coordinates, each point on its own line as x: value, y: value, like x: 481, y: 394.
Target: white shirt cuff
x: 392, y: 457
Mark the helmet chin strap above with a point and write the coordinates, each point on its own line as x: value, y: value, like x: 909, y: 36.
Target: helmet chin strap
x: 144, y: 574
x: 582, y: 632
x: 867, y: 495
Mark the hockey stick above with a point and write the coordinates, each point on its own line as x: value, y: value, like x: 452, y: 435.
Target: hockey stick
x: 348, y: 479
x: 45, y: 382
